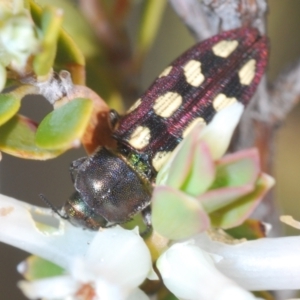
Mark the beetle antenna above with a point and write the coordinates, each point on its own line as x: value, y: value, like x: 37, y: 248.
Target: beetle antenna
x: 52, y: 206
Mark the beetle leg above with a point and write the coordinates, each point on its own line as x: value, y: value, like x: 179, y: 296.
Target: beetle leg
x: 114, y: 118
x: 75, y: 166
x: 146, y: 214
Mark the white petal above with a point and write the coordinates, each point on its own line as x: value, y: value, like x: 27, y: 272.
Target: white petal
x: 233, y: 292
x: 106, y: 290
x: 19, y: 39
x: 118, y: 255
x: 51, y: 288
x: 263, y: 264
x: 189, y: 273
x: 219, y: 131
x: 111, y: 292
x: 57, y: 244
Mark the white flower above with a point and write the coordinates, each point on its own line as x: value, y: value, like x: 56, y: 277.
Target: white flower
x: 190, y: 274
x: 18, y: 40
x: 262, y: 264
x: 109, y: 264
x: 206, y: 269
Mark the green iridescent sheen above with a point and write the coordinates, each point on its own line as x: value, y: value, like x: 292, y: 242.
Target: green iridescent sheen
x: 136, y: 161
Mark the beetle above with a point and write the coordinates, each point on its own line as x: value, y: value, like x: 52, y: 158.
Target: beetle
x: 114, y: 185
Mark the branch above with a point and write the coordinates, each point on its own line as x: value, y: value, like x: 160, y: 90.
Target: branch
x: 285, y: 92
x: 238, y: 13
x: 208, y: 17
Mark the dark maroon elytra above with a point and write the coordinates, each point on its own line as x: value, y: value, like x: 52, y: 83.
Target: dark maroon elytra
x: 221, y: 76
x: 111, y: 187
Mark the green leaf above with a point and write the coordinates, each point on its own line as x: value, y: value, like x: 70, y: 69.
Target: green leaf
x: 17, y: 138
x: 64, y: 126
x: 236, y: 213
x: 190, y: 167
x: 219, y: 198
x: 164, y: 294
x: 237, y: 169
x: 179, y: 165
x: 137, y: 220
x: 68, y: 54
x: 151, y: 19
x: 2, y: 77
x: 202, y: 173
x: 77, y: 27
x: 51, y: 21
x: 176, y: 215
x: 71, y: 58
x: 26, y: 4
x: 250, y: 229
x: 38, y: 268
x: 9, y: 106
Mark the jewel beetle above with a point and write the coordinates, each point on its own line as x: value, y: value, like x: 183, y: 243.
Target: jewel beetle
x: 114, y: 185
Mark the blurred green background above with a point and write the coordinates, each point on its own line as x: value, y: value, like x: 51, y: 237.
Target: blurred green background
x: 26, y: 179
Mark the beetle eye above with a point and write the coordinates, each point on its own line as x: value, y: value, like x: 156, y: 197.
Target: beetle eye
x: 79, y: 214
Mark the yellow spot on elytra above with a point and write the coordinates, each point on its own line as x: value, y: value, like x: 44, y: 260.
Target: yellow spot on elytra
x: 192, y: 73
x: 247, y: 72
x: 167, y: 104
x: 134, y: 106
x: 224, y: 48
x: 140, y: 137
x: 222, y: 101
x: 165, y: 72
x: 159, y: 159
x: 192, y: 125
